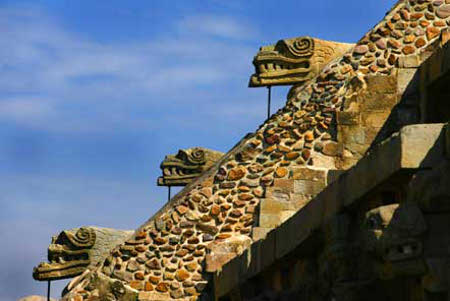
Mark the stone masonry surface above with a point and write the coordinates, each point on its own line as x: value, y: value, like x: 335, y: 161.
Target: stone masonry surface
x: 164, y: 259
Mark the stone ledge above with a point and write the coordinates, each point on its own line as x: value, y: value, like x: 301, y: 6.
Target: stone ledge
x: 415, y: 147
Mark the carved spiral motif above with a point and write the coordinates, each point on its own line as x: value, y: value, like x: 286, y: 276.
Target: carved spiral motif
x: 197, y: 155
x: 303, y: 46
x: 83, y: 238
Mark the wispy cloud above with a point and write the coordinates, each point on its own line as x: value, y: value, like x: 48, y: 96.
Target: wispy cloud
x: 54, y: 79
x: 36, y: 207
x: 218, y: 26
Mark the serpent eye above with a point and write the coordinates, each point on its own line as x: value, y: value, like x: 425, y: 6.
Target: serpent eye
x: 198, y: 154
x: 84, y: 237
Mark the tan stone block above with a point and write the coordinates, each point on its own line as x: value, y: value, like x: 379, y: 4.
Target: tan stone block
x: 347, y: 117
x: 148, y: 296
x: 285, y: 215
x: 409, y: 61
x: 308, y: 187
x: 270, y: 206
x: 269, y: 220
x: 374, y: 119
x: 381, y: 83
x: 286, y: 185
x: 305, y: 173
x: 379, y: 102
x: 351, y: 134
x: 260, y: 233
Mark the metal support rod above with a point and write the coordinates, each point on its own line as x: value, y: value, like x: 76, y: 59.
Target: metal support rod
x: 48, y: 290
x: 269, y: 96
x: 168, y: 196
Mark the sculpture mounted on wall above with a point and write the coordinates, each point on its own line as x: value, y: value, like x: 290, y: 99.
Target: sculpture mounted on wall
x: 293, y: 61
x: 73, y: 251
x: 186, y: 165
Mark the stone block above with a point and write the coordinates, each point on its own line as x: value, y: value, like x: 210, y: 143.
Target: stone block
x: 407, y: 81
x: 308, y: 187
x: 277, y: 194
x: 374, y: 101
x: 147, y: 296
x: 223, y: 252
x: 260, y: 233
x: 348, y: 118
x: 285, y: 215
x: 351, y: 134
x: 309, y: 174
x: 423, y: 144
x: 271, y: 206
x: 333, y: 175
x: 269, y: 220
x: 375, y: 119
x: 286, y: 185
x: 381, y: 83
x: 409, y: 61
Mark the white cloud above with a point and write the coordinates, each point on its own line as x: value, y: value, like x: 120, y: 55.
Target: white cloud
x: 219, y: 26
x: 55, y: 80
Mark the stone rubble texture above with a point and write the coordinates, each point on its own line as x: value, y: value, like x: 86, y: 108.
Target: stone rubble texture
x: 165, y: 259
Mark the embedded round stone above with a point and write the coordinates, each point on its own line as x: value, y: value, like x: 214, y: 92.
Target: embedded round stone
x: 223, y: 236
x: 272, y: 139
x: 361, y: 49
x: 182, y: 209
x: 236, y: 213
x: 182, y: 275
x: 420, y: 42
x: 309, y: 136
x: 292, y: 155
x: 215, y: 210
x: 153, y: 264
x: 139, y: 275
x: 306, y: 153
x: 443, y: 11
x: 162, y: 287
x: 330, y: 149
x: 432, y: 32
x: 409, y: 39
x: 153, y: 279
x: 148, y: 286
x: 245, y: 196
x: 381, y: 44
x: 408, y: 49
x: 236, y: 174
x: 281, y: 172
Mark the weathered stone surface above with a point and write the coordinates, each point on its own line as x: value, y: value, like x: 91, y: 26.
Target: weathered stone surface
x: 443, y: 11
x: 309, y: 117
x: 236, y: 174
x: 91, y: 243
x: 186, y: 165
x: 361, y: 49
x: 284, y: 63
x: 331, y: 149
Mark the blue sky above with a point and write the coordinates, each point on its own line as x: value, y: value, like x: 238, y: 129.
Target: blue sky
x: 94, y: 94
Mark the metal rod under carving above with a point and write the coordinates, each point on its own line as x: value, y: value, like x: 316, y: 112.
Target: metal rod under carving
x: 269, y: 96
x: 48, y: 290
x: 168, y: 196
